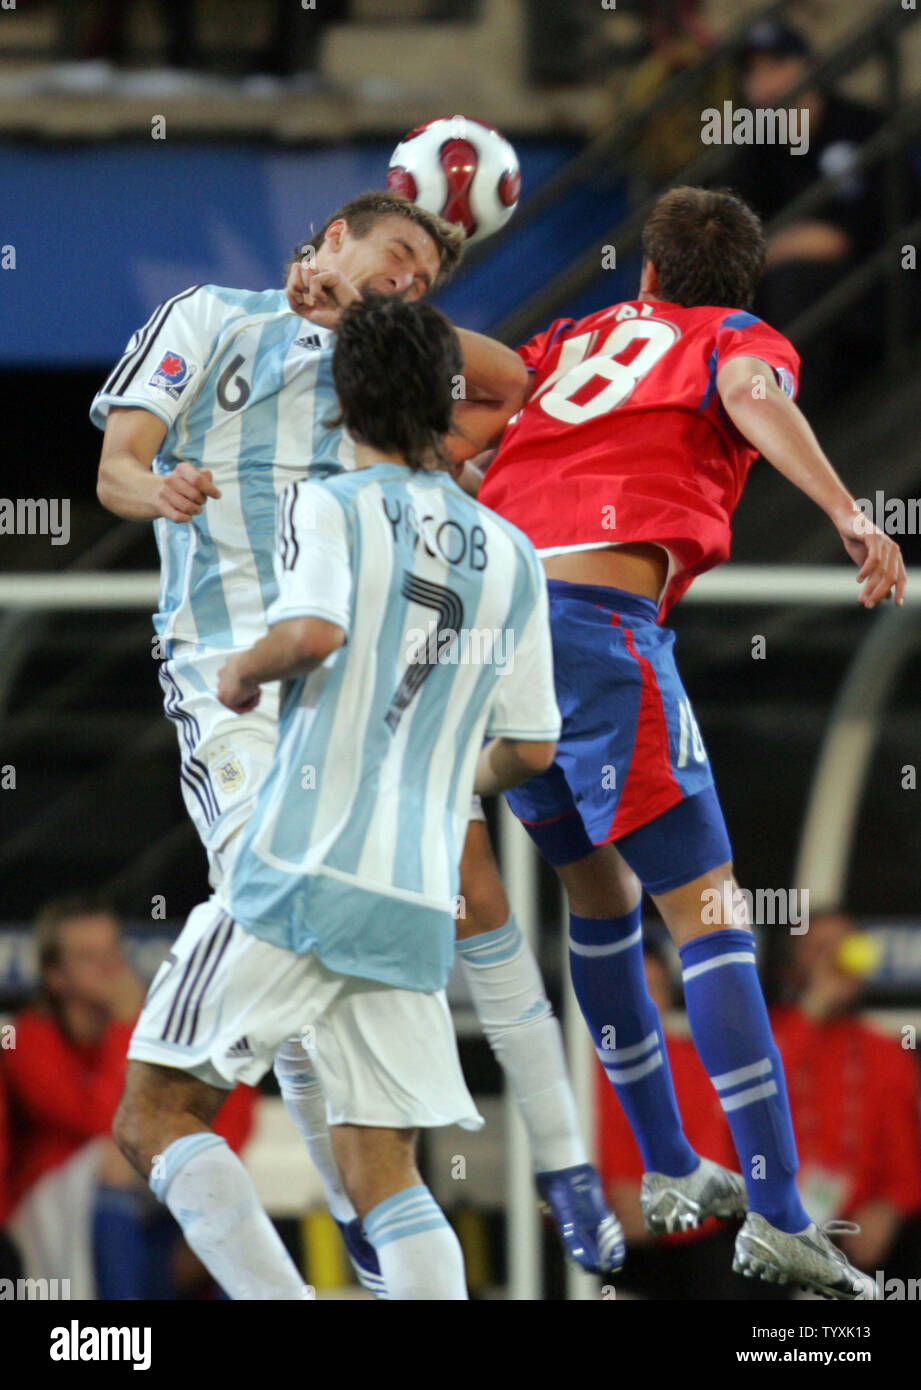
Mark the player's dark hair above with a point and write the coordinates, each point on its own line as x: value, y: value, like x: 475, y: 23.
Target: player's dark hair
x: 394, y: 368
x: 368, y: 208
x: 707, y: 246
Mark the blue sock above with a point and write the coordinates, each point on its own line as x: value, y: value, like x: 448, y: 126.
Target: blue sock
x: 119, y: 1244
x: 608, y: 976
x: 732, y: 1035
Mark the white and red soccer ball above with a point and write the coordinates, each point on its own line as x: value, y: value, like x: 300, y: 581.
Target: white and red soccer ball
x: 461, y: 169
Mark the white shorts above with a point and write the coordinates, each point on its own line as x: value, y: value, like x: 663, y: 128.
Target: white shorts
x: 224, y: 756
x: 223, y: 1002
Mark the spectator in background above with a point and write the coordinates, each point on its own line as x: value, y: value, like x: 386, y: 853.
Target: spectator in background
x: 677, y: 38
x: 805, y: 259
x: 856, y: 1100
x: 691, y: 1264
x: 64, y: 1079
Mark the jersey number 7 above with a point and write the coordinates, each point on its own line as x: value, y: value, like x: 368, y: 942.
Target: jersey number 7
x: 450, y: 609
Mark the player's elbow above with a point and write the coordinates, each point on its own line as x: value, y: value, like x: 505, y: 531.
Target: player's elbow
x: 108, y: 495
x: 534, y: 757
x: 739, y: 397
x: 104, y: 488
x: 315, y: 639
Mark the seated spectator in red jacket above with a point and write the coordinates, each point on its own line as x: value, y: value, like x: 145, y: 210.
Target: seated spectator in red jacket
x: 856, y: 1099
x: 691, y: 1264
x: 65, y: 1077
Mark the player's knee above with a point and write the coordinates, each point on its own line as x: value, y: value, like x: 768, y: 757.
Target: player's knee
x: 600, y: 885
x: 145, y: 1120
x: 482, y: 913
x: 374, y: 1163
x: 483, y: 905
x: 132, y: 1134
x: 114, y: 1168
x: 711, y: 902
x: 359, y: 1177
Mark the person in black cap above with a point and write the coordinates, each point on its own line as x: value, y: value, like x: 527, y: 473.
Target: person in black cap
x: 806, y: 258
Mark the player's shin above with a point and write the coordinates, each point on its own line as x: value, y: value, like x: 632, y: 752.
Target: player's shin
x: 213, y: 1198
x: 511, y: 1003
x: 608, y: 976
x: 732, y: 1035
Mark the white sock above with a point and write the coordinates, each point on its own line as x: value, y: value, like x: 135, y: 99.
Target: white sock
x: 212, y: 1196
x: 515, y: 1014
x: 420, y: 1256
x: 304, y: 1101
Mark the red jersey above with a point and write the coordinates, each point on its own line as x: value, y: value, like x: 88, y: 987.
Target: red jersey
x: 624, y: 438
x: 62, y: 1093
x: 855, y: 1096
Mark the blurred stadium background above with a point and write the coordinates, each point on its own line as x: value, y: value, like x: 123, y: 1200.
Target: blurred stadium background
x: 275, y: 113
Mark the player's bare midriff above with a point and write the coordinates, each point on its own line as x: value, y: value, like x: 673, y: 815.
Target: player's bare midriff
x: 639, y: 569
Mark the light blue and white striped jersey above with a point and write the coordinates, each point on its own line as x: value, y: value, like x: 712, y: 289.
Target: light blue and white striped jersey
x: 245, y: 389
x: 353, y: 849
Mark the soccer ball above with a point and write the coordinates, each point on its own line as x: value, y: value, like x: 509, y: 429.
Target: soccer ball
x: 463, y: 170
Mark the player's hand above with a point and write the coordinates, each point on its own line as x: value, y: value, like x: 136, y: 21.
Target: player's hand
x: 116, y: 989
x: 237, y: 692
x: 881, y: 568
x: 319, y: 295
x: 183, y: 493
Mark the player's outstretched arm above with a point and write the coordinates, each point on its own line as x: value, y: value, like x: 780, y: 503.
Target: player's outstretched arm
x: 494, y: 386
x: 293, y: 647
x: 778, y: 429
x: 506, y: 762
x: 126, y: 484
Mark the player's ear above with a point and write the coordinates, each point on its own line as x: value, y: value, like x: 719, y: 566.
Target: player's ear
x: 335, y: 233
x: 649, y: 278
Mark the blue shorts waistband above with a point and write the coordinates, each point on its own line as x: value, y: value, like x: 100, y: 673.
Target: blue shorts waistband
x: 603, y: 596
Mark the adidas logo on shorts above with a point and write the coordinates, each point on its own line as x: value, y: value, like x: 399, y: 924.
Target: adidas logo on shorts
x: 240, y: 1048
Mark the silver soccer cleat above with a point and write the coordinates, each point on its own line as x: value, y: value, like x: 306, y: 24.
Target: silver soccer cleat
x: 805, y: 1257
x: 681, y: 1204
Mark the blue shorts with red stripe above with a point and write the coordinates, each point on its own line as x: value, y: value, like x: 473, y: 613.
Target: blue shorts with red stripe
x: 631, y: 765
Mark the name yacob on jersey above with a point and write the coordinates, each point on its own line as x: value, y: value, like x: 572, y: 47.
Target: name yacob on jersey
x: 450, y: 540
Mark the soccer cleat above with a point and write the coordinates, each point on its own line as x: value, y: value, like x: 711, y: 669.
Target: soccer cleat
x: 591, y: 1234
x: 682, y: 1204
x: 363, y: 1256
x: 804, y: 1257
